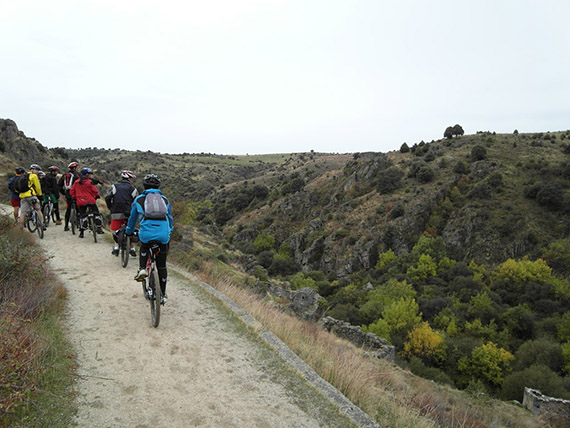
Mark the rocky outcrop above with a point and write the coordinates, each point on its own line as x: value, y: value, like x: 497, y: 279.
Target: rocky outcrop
x: 307, y: 304
x: 9, y: 131
x: 553, y: 409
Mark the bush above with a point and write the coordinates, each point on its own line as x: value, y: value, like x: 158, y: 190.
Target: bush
x: 541, y: 351
x: 478, y: 153
x: 537, y: 377
x: 389, y: 180
x: 425, y: 175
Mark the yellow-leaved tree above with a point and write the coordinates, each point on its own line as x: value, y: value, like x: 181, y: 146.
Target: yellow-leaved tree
x: 425, y: 343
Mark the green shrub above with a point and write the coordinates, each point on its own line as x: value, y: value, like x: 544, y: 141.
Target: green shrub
x: 537, y: 377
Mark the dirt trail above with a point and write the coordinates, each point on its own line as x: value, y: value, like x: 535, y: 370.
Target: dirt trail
x: 199, y: 368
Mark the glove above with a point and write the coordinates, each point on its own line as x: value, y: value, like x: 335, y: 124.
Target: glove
x: 97, y: 197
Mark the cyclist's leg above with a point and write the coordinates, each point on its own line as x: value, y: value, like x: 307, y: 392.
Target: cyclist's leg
x: 25, y: 207
x: 82, y: 210
x: 141, y: 274
x: 97, y: 217
x: 68, y: 203
x: 161, y: 267
x: 38, y: 208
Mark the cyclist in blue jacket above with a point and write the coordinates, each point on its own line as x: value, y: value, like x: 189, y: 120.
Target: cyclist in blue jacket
x: 156, y: 224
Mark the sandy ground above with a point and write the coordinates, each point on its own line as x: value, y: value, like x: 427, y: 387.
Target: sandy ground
x: 199, y: 368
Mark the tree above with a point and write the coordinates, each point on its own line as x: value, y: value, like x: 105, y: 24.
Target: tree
x: 448, y: 132
x: 425, y: 343
x: 457, y: 130
x: 404, y: 148
x: 264, y: 242
x: 488, y: 362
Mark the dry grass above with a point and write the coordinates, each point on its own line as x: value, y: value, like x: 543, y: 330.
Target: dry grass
x: 391, y: 396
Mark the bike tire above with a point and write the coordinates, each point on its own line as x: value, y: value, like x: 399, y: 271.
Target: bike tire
x: 93, y: 228
x: 30, y: 223
x: 73, y: 220
x: 124, y: 248
x: 154, y: 284
x: 47, y: 214
x: 39, y: 227
x: 53, y: 214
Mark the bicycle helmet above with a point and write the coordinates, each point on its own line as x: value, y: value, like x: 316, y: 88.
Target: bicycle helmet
x: 73, y: 165
x: 35, y: 166
x: 86, y: 171
x: 20, y: 170
x: 127, y: 174
x: 151, y: 181
x: 41, y: 174
x: 53, y: 168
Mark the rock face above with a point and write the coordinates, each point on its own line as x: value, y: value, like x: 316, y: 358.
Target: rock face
x: 9, y: 130
x: 553, y: 409
x: 307, y: 304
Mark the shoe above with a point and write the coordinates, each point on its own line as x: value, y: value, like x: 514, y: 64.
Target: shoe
x: 66, y: 229
x: 58, y: 222
x: 133, y: 252
x: 100, y: 231
x: 163, y: 299
x: 141, y: 274
x: 81, y: 234
x: 115, y: 252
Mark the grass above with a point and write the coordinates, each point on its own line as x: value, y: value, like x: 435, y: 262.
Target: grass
x: 390, y: 395
x: 36, y: 364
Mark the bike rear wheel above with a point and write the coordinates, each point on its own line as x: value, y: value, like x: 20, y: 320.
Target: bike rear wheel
x: 154, y: 285
x: 124, y: 248
x: 47, y: 213
x: 30, y: 223
x: 93, y: 227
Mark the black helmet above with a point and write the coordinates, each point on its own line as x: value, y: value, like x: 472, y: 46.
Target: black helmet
x: 20, y: 170
x: 151, y: 181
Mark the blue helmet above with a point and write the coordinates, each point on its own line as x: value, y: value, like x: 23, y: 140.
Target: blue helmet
x: 86, y: 171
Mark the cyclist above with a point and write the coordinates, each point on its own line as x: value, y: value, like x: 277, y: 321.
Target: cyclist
x: 85, y: 194
x: 29, y: 199
x: 51, y: 190
x: 65, y: 183
x: 119, y: 200
x: 151, y: 230
x: 15, y: 197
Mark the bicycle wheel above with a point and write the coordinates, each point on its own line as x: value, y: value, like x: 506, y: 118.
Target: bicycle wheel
x: 30, y: 223
x: 39, y: 226
x: 154, y: 285
x: 124, y: 248
x: 53, y: 214
x: 93, y: 227
x: 73, y: 219
x: 46, y: 211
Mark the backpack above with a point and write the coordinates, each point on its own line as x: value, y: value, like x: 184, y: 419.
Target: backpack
x: 155, y: 206
x: 20, y: 183
x: 68, y: 181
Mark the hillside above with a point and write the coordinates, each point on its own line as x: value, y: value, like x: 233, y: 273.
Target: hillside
x: 456, y: 250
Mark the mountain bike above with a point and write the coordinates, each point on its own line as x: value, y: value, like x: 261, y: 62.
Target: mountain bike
x: 48, y: 212
x: 90, y: 219
x: 151, y: 284
x: 34, y: 224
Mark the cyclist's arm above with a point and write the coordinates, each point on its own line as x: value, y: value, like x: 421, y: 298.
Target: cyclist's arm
x: 35, y: 184
x: 133, y: 218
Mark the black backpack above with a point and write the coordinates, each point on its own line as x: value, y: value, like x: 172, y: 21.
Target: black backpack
x: 21, y: 183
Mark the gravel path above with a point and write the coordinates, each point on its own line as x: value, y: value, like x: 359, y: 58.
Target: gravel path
x: 200, y: 368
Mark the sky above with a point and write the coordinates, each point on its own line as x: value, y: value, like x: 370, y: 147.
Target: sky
x: 280, y: 76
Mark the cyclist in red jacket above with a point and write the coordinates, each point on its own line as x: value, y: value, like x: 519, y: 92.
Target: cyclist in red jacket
x: 85, y: 195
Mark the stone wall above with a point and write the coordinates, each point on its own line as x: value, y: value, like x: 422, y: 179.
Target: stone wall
x: 553, y: 409
x: 374, y: 345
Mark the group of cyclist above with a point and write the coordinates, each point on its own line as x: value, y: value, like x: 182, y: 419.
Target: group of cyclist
x: 126, y: 205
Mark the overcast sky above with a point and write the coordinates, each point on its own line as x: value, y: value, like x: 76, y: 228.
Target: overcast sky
x: 279, y: 76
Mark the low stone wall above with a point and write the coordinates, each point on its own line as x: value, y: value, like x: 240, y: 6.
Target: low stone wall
x: 374, y: 345
x: 553, y: 409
